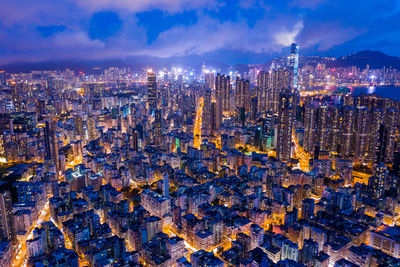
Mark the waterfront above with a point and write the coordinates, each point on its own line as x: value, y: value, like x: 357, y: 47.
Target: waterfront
x: 383, y: 91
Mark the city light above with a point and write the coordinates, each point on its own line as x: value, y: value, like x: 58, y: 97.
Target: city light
x: 132, y: 134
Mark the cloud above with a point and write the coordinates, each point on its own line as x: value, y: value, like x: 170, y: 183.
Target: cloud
x: 285, y: 37
x: 98, y: 29
x: 104, y: 25
x: 145, y: 5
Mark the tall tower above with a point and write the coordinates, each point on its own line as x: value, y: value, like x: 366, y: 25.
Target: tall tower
x: 360, y: 131
x: 391, y: 124
x: 347, y: 131
x: 209, y: 80
x: 334, y: 128
x: 157, y: 127
x: 151, y: 90
x: 222, y: 95
x: 322, y: 130
x: 285, y: 125
x: 242, y: 98
x: 263, y: 88
x: 376, y: 119
x: 376, y: 183
x: 223, y: 89
x: 6, y: 211
x: 206, y: 125
x: 309, y: 127
x: 50, y: 139
x: 166, y: 185
x: 165, y: 74
x: 203, y: 71
x: 294, y: 64
x: 3, y: 78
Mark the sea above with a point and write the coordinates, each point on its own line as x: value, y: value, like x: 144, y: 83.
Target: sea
x: 383, y: 91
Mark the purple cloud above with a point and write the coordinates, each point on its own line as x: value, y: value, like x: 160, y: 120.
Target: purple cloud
x: 73, y: 30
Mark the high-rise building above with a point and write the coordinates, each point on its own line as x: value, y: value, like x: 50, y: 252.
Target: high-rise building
x: 309, y: 127
x: 307, y: 208
x: 152, y: 90
x: 280, y: 81
x: 347, y: 131
x: 157, y: 127
x: 242, y: 97
x: 308, y: 252
x: 391, y: 123
x: 166, y: 185
x: 3, y: 78
x: 222, y: 97
x: 376, y: 183
x: 322, y: 128
x: 294, y: 64
x: 334, y: 128
x: 290, y: 250
x: 285, y: 126
x: 360, y: 132
x: 51, y: 146
x: 6, y: 215
x: 209, y: 80
x: 263, y: 89
x: 223, y: 89
x: 166, y: 78
x: 207, y: 113
x: 376, y: 120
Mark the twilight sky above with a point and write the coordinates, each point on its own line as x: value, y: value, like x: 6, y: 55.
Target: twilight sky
x: 232, y: 31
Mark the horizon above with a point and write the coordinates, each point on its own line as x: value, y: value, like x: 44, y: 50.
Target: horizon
x: 143, y: 62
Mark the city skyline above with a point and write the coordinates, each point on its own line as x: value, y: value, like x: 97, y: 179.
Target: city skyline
x: 181, y: 133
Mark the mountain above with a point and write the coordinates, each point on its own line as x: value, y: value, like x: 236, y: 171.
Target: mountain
x: 375, y: 60
x: 135, y: 63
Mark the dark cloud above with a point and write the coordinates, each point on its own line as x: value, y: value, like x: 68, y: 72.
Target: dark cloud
x: 241, y: 30
x: 104, y: 25
x: 47, y: 31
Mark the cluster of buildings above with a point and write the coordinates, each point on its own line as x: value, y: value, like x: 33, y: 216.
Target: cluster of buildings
x: 213, y: 171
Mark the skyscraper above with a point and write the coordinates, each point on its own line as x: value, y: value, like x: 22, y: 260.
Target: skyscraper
x: 346, y: 131
x: 307, y: 208
x: 263, y: 88
x: 294, y: 64
x: 6, y: 211
x: 223, y: 89
x: 391, y: 123
x: 157, y: 127
x: 322, y: 129
x: 222, y: 95
x: 309, y: 127
x: 166, y: 185
x: 334, y: 128
x: 242, y: 97
x: 376, y: 182
x: 207, y: 113
x: 51, y: 144
x: 209, y: 80
x: 3, y: 78
x: 376, y: 120
x: 152, y: 90
x: 285, y: 126
x: 360, y: 131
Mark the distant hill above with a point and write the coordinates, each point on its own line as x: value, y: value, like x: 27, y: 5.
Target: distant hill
x: 375, y: 60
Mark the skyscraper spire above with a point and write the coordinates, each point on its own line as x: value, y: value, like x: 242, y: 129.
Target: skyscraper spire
x: 294, y: 64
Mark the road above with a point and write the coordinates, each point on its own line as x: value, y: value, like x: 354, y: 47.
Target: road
x: 198, y: 123
x: 301, y: 155
x: 22, y: 253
